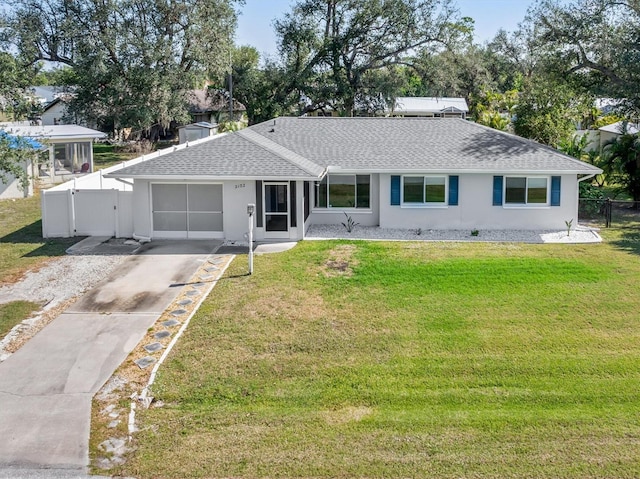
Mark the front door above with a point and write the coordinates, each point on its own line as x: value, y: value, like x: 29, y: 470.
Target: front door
x: 276, y: 210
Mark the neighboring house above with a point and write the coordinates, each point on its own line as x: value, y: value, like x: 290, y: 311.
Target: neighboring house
x: 11, y: 187
x: 212, y: 106
x: 409, y: 107
x: 197, y: 131
x: 70, y: 149
x: 597, y: 139
x: 46, y: 94
x: 430, y: 107
x: 393, y: 172
x: 54, y: 113
x: 615, y: 130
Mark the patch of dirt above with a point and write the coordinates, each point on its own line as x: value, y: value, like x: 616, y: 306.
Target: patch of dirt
x: 341, y: 261
x: 347, y: 414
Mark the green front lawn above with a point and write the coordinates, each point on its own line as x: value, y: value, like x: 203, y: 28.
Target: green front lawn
x: 356, y: 359
x: 21, y: 243
x: 22, y: 248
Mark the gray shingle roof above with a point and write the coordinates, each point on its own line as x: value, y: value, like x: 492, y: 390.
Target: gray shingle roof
x: 231, y: 156
x: 304, y: 147
x: 387, y: 144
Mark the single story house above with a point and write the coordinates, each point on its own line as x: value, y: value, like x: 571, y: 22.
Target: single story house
x: 409, y: 107
x: 212, y: 106
x: 442, y: 107
x: 70, y: 149
x: 436, y: 173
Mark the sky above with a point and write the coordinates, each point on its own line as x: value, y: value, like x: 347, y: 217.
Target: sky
x: 255, y: 23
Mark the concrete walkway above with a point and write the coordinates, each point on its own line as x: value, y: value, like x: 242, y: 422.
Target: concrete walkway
x: 47, y: 386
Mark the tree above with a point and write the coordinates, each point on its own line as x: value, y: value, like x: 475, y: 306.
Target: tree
x: 133, y: 61
x: 495, y: 109
x: 15, y: 80
x: 622, y: 163
x: 595, y: 43
x: 459, y: 70
x: 333, y: 50
x: 15, y: 154
x: 548, y: 110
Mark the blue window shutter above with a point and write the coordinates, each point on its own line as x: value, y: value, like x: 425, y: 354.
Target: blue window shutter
x: 395, y: 190
x: 497, y: 191
x: 453, y: 190
x: 555, y: 191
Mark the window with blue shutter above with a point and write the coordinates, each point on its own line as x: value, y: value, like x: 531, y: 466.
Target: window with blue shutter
x: 395, y: 190
x: 453, y: 190
x: 497, y: 191
x: 555, y: 191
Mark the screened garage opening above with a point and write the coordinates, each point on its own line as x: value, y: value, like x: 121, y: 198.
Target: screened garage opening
x: 187, y: 211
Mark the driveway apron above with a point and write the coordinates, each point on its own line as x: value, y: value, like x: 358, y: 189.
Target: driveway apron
x: 47, y: 386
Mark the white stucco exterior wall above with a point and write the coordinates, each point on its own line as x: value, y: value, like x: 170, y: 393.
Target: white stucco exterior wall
x: 475, y: 208
x: 12, y: 189
x: 236, y: 195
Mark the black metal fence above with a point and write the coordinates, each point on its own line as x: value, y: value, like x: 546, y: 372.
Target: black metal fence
x: 609, y: 213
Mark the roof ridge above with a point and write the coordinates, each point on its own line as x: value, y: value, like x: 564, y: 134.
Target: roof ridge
x: 291, y: 156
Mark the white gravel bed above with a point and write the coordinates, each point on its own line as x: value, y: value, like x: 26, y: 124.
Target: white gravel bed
x: 578, y: 235
x: 62, y: 279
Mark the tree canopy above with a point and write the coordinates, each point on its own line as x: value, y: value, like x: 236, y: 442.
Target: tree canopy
x: 341, y: 52
x: 594, y: 42
x: 133, y: 61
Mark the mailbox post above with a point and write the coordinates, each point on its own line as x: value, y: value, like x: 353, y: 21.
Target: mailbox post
x: 251, y: 209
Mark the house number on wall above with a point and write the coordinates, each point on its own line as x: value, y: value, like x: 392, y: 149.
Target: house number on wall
x: 240, y: 185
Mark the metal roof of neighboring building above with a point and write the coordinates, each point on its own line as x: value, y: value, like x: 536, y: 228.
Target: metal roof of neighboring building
x: 305, y: 147
x: 54, y: 132
x: 421, y: 105
x: 618, y: 128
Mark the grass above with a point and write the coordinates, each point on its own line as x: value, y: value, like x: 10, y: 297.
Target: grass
x: 105, y: 156
x: 356, y: 359
x: 22, y: 248
x: 21, y: 243
x: 13, y: 313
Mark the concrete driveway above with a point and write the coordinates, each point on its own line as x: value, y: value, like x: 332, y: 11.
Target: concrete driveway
x: 47, y: 386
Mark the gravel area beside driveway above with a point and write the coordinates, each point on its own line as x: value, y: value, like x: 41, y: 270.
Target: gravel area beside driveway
x: 56, y: 285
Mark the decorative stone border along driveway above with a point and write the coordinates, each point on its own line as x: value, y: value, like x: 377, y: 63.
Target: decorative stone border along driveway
x: 112, y: 425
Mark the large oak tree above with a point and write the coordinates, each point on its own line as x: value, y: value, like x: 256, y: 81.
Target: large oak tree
x: 133, y: 60
x: 341, y: 53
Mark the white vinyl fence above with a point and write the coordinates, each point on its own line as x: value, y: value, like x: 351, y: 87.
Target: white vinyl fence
x: 87, y: 213
x: 93, y: 205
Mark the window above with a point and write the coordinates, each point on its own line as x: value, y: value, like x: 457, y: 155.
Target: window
x: 424, y: 189
x: 72, y: 156
x: 525, y: 191
x: 343, y: 191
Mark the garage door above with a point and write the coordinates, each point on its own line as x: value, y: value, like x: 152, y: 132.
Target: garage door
x: 187, y: 211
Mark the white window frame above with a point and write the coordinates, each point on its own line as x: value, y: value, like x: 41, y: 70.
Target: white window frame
x: 443, y: 204
x: 526, y: 192
x: 348, y: 208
